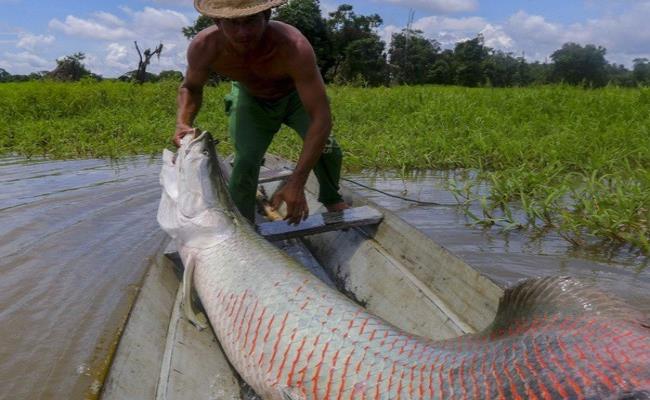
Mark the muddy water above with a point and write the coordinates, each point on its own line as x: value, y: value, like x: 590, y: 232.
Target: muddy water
x: 506, y: 257
x: 77, y: 236
x: 75, y: 240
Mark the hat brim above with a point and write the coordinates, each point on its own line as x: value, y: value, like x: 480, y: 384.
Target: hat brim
x: 235, y: 12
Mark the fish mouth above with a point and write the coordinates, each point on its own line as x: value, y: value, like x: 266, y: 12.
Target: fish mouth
x: 204, y: 141
x: 197, y: 138
x: 194, y: 140
x: 195, y: 146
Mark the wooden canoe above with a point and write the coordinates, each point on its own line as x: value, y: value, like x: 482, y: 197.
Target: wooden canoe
x: 391, y: 268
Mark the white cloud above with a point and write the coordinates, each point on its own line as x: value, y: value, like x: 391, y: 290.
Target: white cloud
x: 24, y: 63
x: 624, y: 33
x: 29, y: 41
x: 495, y: 37
x: 438, y: 6
x: 126, y: 10
x: 116, y: 56
x: 450, y: 24
x: 91, y: 60
x: 156, y: 23
x: 625, y: 36
x: 89, y: 28
x: 327, y: 7
x: 108, y: 18
x: 188, y: 3
x: 535, y: 28
x: 149, y: 27
x: 448, y: 31
x: 107, y: 39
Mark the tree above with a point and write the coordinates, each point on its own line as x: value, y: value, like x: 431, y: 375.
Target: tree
x: 540, y: 73
x: 641, y: 72
x: 469, y: 59
x: 4, y: 75
x: 505, y: 70
x: 201, y: 23
x: 170, y: 75
x: 131, y: 76
x: 412, y: 57
x: 70, y: 68
x: 141, y: 74
x: 442, y: 71
x: 40, y: 75
x: 365, y: 63
x: 345, y: 26
x: 578, y: 65
x: 305, y: 15
x: 618, y: 75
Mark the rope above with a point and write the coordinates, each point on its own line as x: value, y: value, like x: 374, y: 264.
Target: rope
x: 423, y: 203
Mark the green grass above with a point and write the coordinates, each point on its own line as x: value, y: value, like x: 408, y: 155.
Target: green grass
x: 573, y: 160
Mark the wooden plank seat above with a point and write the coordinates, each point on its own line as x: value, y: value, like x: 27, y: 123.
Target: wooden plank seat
x: 271, y: 175
x: 319, y: 223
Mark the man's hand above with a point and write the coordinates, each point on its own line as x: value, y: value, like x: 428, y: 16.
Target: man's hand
x: 294, y: 196
x: 181, y: 131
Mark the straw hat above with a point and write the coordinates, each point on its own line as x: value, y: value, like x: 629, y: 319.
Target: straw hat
x: 234, y: 8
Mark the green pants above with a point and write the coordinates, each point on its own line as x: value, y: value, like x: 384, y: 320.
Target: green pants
x: 252, y: 124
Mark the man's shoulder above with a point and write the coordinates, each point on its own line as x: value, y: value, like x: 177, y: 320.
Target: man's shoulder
x: 289, y: 37
x: 208, y: 34
x: 207, y: 38
x: 205, y: 45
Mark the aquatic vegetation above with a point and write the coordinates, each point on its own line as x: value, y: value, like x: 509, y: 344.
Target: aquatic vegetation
x: 573, y: 160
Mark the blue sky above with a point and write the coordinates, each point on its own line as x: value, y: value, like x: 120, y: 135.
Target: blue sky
x: 33, y: 34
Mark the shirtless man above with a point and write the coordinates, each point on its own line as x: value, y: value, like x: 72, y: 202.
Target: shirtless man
x: 275, y: 81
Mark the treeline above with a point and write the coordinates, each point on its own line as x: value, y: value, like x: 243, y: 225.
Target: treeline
x: 350, y: 52
x: 72, y: 69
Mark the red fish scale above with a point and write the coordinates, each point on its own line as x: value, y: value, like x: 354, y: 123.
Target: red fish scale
x: 290, y: 336
x: 288, y: 331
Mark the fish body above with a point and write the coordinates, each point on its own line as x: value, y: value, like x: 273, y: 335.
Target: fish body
x: 290, y: 336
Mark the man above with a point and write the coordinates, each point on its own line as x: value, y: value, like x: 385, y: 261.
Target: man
x: 275, y: 81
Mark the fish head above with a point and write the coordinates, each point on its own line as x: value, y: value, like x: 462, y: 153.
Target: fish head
x: 195, y: 209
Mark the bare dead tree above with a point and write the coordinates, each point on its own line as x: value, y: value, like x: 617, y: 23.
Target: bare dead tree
x: 141, y: 73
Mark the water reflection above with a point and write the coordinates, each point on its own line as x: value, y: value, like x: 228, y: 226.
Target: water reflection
x: 75, y: 239
x: 506, y: 256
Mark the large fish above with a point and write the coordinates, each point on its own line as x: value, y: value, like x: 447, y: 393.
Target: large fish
x: 292, y: 337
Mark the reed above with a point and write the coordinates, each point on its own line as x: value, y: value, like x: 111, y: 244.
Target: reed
x: 573, y: 160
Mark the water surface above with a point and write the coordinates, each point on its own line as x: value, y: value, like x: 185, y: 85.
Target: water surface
x: 75, y: 240
x: 505, y: 256
x: 77, y: 236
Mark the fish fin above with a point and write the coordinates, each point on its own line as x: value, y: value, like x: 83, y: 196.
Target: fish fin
x: 197, y: 319
x: 293, y: 393
x: 557, y: 296
x: 633, y: 395
x: 639, y: 395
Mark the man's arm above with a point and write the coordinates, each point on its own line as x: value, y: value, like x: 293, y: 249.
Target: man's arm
x: 190, y: 93
x: 311, y: 89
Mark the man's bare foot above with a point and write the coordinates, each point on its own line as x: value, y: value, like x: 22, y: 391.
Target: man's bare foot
x: 340, y: 206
